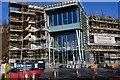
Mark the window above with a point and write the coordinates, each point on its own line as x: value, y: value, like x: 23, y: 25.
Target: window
x: 60, y: 19
x: 69, y: 17
x: 67, y: 41
x: 65, y: 18
x: 74, y: 16
x: 55, y: 19
x: 78, y: 13
x: 51, y: 20
x: 59, y: 41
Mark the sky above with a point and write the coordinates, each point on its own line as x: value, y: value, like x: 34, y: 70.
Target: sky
x: 101, y: 8
x: 97, y: 8
x: 61, y: 0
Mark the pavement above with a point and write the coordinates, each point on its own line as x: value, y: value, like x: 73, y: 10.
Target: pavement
x: 83, y: 73
x: 0, y: 72
x: 80, y: 74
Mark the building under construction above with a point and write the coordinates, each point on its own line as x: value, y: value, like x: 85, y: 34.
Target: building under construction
x: 67, y: 23
x: 104, y: 39
x: 27, y: 32
x: 65, y: 35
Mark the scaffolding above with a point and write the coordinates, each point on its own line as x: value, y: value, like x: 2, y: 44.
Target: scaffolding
x: 104, y: 39
x: 27, y: 32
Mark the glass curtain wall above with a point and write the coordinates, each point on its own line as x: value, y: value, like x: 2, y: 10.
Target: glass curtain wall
x: 62, y: 18
x: 68, y: 48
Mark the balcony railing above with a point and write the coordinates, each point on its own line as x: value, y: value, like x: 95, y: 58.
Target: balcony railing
x: 112, y: 57
x: 33, y: 47
x: 15, y: 39
x: 15, y: 48
x: 29, y: 12
x: 60, y: 4
x: 16, y: 18
x: 106, y: 50
x: 107, y: 34
x: 16, y: 27
x: 106, y: 21
x: 106, y: 28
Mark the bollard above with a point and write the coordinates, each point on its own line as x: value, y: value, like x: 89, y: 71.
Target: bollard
x: 33, y: 76
x: 55, y: 75
x: 94, y: 72
x: 57, y: 72
x: 26, y: 76
x: 77, y: 72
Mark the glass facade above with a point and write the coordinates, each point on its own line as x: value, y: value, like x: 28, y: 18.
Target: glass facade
x: 67, y: 41
x: 62, y: 18
x: 65, y: 36
x: 68, y: 47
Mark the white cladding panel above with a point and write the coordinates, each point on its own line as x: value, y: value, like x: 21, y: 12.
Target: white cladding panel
x: 104, y: 39
x: 2, y: 68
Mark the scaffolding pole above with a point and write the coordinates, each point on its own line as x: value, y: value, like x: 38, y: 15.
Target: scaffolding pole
x: 50, y: 41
